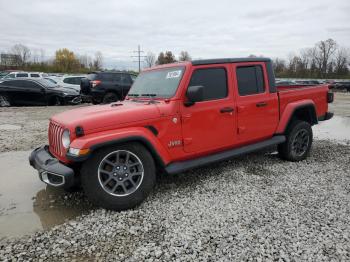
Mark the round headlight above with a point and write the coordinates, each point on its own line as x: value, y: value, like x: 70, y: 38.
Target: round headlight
x: 66, y: 138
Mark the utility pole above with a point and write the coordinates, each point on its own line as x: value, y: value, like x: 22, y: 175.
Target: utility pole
x: 139, y: 56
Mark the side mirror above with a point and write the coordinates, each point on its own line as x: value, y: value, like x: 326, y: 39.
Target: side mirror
x: 194, y: 94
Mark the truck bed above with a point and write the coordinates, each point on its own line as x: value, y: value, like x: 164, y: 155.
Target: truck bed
x: 316, y: 93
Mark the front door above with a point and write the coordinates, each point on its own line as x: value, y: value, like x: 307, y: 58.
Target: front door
x: 257, y: 107
x: 209, y: 124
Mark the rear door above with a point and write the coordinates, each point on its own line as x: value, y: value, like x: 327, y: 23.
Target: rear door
x: 34, y: 93
x: 209, y: 125
x: 257, y: 107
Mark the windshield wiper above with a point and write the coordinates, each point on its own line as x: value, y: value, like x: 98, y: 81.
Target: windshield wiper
x: 133, y: 95
x: 149, y: 95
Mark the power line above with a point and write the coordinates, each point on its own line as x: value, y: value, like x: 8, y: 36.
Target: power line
x: 139, y: 51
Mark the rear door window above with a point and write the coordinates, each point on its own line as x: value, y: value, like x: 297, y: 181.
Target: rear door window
x: 250, y: 80
x: 69, y: 80
x: 126, y: 80
x: 34, y: 75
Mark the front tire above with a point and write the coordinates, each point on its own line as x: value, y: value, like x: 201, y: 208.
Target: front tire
x: 119, y: 177
x: 298, y: 143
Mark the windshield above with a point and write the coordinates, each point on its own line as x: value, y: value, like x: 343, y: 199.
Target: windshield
x: 51, y: 80
x: 157, y: 83
x: 47, y: 83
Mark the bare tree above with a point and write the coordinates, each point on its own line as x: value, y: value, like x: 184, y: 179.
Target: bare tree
x: 98, y: 61
x: 150, y: 59
x: 184, y: 56
x: 42, y: 56
x: 22, y: 53
x: 279, y: 65
x: 85, y: 61
x: 341, y: 61
x: 324, y: 51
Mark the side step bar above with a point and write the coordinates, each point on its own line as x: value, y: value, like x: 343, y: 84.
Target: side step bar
x: 178, y: 167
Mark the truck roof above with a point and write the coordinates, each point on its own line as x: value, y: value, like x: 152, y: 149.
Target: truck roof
x: 230, y: 60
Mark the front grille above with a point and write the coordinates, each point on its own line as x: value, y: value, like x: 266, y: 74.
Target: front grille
x: 55, y: 138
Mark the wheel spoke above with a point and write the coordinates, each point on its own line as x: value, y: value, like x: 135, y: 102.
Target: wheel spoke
x: 132, y: 181
x: 105, y: 172
x: 117, y: 157
x: 107, y: 180
x: 109, y: 162
x: 136, y: 174
x: 123, y: 186
x: 127, y: 158
x: 134, y: 164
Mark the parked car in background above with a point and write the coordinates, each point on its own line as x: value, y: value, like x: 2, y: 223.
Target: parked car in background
x: 72, y: 82
x: 12, y: 75
x: 342, y: 85
x: 284, y: 83
x: 307, y: 82
x: 29, y: 91
x: 3, y: 74
x: 106, y: 87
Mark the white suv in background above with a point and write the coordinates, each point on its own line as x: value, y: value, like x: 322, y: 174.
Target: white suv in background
x: 69, y: 81
x: 25, y: 74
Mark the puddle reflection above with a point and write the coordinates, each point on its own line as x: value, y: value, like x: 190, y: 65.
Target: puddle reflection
x: 27, y: 204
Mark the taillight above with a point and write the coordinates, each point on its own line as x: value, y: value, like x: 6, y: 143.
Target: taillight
x: 330, y: 97
x: 95, y: 83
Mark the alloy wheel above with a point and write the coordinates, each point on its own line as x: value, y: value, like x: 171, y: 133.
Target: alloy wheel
x: 120, y: 173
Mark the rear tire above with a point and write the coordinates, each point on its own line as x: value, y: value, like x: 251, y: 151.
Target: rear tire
x: 110, y: 98
x: 119, y: 177
x: 298, y: 144
x: 4, y: 101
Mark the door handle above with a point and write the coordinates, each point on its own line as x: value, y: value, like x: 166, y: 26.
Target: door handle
x: 261, y: 104
x: 226, y: 110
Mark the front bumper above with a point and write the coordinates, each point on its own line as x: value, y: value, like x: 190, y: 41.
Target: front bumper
x: 50, y: 170
x: 73, y: 100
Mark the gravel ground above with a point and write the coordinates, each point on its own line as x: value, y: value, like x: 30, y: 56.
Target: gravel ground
x: 24, y: 128
x: 255, y: 207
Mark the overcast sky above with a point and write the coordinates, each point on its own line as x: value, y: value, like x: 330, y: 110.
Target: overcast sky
x: 206, y: 29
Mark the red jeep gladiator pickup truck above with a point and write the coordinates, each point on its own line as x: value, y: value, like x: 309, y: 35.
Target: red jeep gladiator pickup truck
x: 177, y: 117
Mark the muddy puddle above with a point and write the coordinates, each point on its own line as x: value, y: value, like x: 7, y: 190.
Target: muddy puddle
x: 336, y: 129
x: 27, y: 204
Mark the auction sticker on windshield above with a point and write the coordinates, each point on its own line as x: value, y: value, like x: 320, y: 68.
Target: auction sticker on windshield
x: 173, y: 74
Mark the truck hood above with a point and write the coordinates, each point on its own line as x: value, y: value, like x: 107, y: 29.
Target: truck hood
x: 104, y: 117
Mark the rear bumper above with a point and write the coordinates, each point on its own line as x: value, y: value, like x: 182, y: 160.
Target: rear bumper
x: 50, y: 170
x: 326, y: 116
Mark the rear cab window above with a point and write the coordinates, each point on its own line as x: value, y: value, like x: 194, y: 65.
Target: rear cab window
x: 250, y: 80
